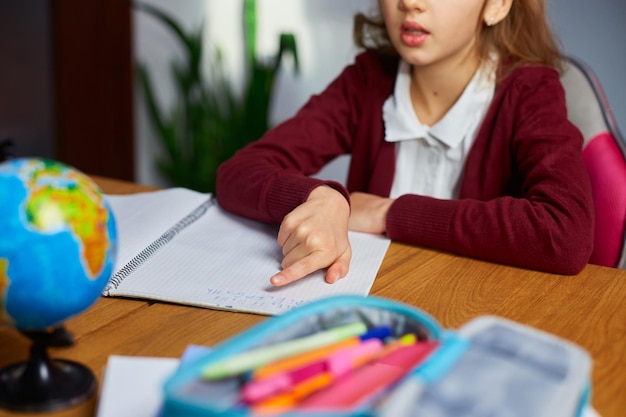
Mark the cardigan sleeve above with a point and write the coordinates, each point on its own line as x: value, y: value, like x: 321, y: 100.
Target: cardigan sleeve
x: 525, y: 194
x: 270, y: 177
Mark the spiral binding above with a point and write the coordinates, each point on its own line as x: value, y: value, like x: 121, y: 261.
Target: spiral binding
x: 152, y: 248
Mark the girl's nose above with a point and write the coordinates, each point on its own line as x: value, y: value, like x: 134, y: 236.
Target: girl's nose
x: 412, y: 5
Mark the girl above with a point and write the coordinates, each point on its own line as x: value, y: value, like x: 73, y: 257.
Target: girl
x: 456, y: 122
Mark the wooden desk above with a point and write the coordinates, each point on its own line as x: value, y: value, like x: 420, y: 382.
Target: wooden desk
x: 587, y: 309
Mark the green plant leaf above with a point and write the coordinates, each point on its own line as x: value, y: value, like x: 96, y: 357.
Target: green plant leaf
x: 168, y: 21
x: 209, y: 122
x: 288, y: 45
x: 249, y: 31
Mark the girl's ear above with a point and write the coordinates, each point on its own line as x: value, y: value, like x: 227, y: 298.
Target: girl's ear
x: 496, y: 11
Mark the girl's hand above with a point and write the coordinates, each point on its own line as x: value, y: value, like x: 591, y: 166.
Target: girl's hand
x: 315, y: 236
x: 368, y: 212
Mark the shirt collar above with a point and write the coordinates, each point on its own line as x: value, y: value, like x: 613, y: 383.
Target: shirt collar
x: 401, y: 123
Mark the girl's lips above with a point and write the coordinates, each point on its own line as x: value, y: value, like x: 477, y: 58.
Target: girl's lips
x: 412, y: 34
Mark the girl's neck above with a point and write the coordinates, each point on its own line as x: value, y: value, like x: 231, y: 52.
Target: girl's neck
x: 435, y: 88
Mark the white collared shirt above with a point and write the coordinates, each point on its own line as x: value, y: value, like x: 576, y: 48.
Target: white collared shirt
x: 430, y: 159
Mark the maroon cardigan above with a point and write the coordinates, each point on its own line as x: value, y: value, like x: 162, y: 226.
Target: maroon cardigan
x: 525, y: 197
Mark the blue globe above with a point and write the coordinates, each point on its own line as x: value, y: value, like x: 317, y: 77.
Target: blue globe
x: 58, y: 243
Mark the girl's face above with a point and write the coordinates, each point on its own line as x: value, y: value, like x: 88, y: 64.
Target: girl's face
x: 429, y: 32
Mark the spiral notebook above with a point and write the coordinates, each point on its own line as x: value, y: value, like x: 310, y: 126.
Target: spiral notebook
x: 178, y: 245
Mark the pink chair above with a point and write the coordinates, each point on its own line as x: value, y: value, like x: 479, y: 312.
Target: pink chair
x: 604, y: 155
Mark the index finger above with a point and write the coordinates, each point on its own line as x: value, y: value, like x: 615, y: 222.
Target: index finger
x: 305, y: 266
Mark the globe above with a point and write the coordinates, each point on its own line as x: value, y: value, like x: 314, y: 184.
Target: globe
x: 57, y: 243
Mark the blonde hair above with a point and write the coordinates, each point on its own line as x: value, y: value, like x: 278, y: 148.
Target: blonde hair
x: 524, y: 36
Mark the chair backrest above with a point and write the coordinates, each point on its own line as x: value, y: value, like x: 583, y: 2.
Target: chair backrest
x: 604, y: 155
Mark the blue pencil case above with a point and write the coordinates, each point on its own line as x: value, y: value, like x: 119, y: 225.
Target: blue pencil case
x: 489, y: 367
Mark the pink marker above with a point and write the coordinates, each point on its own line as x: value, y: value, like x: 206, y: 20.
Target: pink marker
x: 337, y: 364
x: 369, y: 381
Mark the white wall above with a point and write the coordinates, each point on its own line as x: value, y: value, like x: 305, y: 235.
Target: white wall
x: 594, y: 31
x: 155, y: 47
x: 323, y: 32
x: 323, y: 29
x: 591, y: 30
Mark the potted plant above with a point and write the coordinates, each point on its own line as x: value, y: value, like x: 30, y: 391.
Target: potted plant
x: 209, y: 123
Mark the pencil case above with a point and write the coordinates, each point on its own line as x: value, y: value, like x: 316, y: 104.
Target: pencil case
x: 491, y: 366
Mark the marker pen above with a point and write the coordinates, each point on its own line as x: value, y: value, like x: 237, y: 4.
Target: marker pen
x: 251, y: 359
x: 337, y: 364
x: 305, y: 358
x: 369, y: 381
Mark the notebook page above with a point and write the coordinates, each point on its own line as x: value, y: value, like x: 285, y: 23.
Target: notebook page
x: 225, y: 261
x: 141, y: 218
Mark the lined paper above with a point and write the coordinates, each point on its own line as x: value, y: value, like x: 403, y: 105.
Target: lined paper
x: 222, y: 261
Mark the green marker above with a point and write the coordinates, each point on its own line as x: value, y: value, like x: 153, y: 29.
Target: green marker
x: 253, y: 359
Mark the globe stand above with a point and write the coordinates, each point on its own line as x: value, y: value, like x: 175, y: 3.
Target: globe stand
x: 42, y: 384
